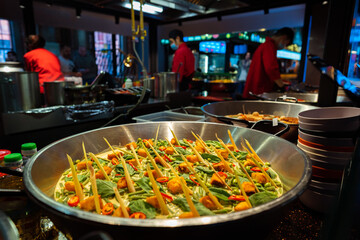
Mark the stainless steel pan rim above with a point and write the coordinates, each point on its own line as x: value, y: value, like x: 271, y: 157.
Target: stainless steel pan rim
x: 293, y: 193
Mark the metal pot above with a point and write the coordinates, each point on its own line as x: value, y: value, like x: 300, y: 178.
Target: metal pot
x: 44, y: 169
x: 54, y: 93
x: 217, y: 111
x: 165, y: 83
x: 19, y: 91
x: 294, y: 97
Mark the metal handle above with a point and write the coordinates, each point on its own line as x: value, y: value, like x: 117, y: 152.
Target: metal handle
x: 285, y: 98
x: 266, y: 123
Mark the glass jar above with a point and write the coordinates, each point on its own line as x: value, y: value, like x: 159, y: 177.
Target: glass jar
x: 13, y: 161
x: 28, y: 150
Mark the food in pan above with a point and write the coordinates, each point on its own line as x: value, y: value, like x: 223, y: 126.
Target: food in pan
x: 256, y: 116
x: 161, y: 178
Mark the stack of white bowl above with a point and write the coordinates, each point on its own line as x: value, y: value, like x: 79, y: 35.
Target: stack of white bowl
x: 327, y: 136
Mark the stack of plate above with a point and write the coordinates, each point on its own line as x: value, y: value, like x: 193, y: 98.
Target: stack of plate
x: 327, y: 136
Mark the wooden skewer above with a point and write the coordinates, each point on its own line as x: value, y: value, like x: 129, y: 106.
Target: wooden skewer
x: 253, y: 152
x: 242, y: 190
x: 129, y: 182
x: 156, y: 136
x: 169, y: 142
x: 241, y: 165
x: 78, y: 189
x: 121, y: 202
x: 99, y: 166
x: 176, y: 139
x: 157, y: 169
x: 136, y: 156
x: 202, y: 184
x: 209, y: 165
x: 232, y: 140
x: 94, y: 189
x: 226, y: 165
x: 192, y: 207
x: 162, y: 161
x: 259, y: 165
x: 203, y: 144
x: 163, y: 207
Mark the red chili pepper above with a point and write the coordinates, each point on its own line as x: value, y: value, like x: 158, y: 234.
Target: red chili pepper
x: 167, y: 158
x: 193, y: 178
x: 108, y: 209
x: 69, y: 175
x: 257, y: 169
x: 222, y: 174
x: 237, y: 150
x: 237, y: 198
x: 117, y: 175
x: 162, y: 179
x: 183, y: 147
x: 114, y: 161
x: 167, y: 196
x: 132, y: 165
x: 138, y: 215
x: 162, y: 148
x: 73, y: 201
x: 189, y: 141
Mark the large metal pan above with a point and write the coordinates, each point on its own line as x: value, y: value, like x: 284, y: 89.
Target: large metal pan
x: 294, y: 97
x: 44, y: 169
x: 216, y: 112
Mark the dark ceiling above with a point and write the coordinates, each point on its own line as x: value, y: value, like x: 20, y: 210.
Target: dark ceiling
x: 177, y: 10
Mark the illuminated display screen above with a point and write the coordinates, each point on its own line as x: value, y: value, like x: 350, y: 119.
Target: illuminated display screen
x: 240, y: 49
x: 288, y: 55
x: 212, y: 47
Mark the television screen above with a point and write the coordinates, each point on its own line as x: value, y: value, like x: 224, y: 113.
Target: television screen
x: 212, y: 47
x: 240, y: 49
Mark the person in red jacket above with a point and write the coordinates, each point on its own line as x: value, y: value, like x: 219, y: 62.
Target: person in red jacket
x: 183, y: 61
x: 42, y: 61
x: 264, y: 73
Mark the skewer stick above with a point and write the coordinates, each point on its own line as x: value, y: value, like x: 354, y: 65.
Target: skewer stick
x: 162, y: 161
x: 135, y: 156
x: 195, y: 213
x: 78, y: 189
x: 169, y: 142
x: 157, y: 133
x: 209, y: 165
x: 197, y: 153
x: 121, y: 201
x: 202, y: 184
x: 129, y: 182
x: 201, y: 142
x: 176, y: 139
x: 99, y: 166
x: 94, y: 189
x: 242, y: 190
x: 157, y: 169
x: 241, y: 165
x: 253, y: 152
x: 163, y: 207
x: 226, y: 165
x: 232, y: 140
x: 259, y: 165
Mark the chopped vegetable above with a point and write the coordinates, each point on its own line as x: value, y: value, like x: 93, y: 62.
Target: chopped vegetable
x: 73, y: 201
x: 108, y: 209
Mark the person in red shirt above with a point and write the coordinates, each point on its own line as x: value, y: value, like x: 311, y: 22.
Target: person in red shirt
x: 42, y: 61
x: 183, y: 61
x: 264, y: 73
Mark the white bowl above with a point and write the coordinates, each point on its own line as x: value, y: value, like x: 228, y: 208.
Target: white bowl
x: 338, y: 142
x: 345, y: 118
x: 349, y: 126
x: 342, y: 155
x: 317, y: 201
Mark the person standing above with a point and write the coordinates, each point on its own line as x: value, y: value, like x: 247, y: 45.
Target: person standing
x: 67, y: 65
x: 42, y: 61
x: 85, y: 63
x: 183, y: 61
x: 264, y: 73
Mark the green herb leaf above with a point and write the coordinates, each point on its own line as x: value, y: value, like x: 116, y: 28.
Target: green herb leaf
x: 120, y: 170
x: 204, y: 169
x: 220, y: 193
x: 105, y: 188
x: 144, y: 183
x: 144, y: 207
x: 210, y: 157
x: 261, y: 197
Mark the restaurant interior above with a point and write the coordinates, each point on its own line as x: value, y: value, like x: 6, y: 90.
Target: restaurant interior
x: 133, y: 94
